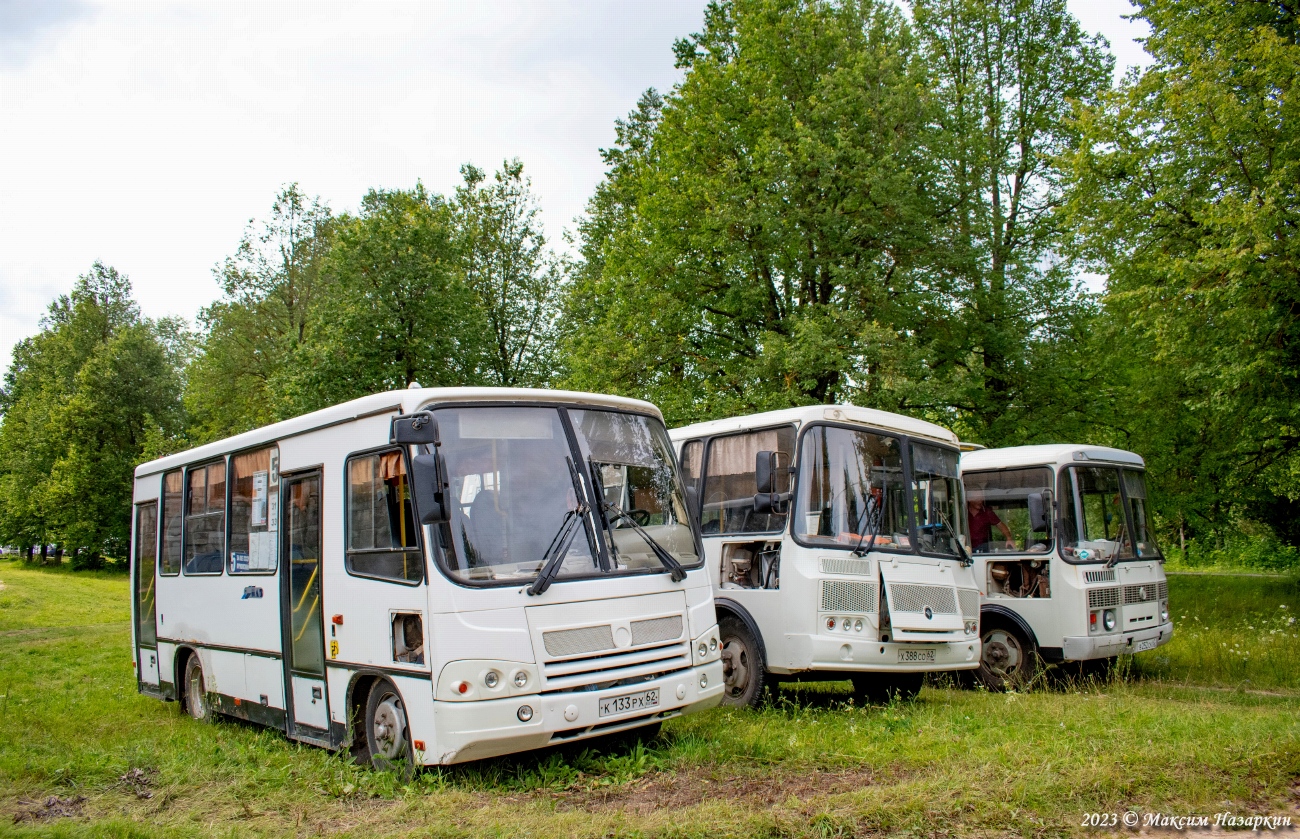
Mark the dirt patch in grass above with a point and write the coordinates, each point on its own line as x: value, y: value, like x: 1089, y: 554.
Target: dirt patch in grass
x: 49, y: 809
x: 678, y: 790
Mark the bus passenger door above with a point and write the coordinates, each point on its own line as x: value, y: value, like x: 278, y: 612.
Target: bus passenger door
x: 143, y: 584
x: 306, y: 704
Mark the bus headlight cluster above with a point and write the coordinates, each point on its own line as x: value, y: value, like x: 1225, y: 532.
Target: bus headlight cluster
x: 1164, y: 611
x: 846, y: 624
x: 970, y: 627
x: 1108, y: 619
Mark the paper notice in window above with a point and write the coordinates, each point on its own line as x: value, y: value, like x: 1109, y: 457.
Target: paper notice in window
x: 273, y: 512
x: 259, y: 511
x: 261, y: 551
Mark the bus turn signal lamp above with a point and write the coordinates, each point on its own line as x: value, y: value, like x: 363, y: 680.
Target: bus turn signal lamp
x: 461, y: 687
x: 337, y: 620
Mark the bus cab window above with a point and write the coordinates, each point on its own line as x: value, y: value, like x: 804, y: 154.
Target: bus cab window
x: 1010, y: 510
x: 730, y: 486
x: 381, y: 522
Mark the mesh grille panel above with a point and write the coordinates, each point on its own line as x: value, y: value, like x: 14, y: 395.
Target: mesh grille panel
x: 1144, y: 593
x: 656, y: 630
x: 845, y: 565
x: 845, y: 596
x: 1104, y: 576
x: 969, y: 599
x: 1164, y: 589
x: 908, y: 597
x: 586, y: 639
x: 1101, y: 597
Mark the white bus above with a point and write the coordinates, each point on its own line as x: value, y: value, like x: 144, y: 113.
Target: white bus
x: 1065, y: 556
x: 833, y: 538
x: 428, y: 576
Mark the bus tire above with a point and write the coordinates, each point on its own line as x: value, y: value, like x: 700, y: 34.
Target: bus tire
x: 387, y: 738
x: 1008, y: 659
x: 743, y: 674
x: 196, y: 698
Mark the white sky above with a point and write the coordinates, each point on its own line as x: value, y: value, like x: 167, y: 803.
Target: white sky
x: 147, y: 135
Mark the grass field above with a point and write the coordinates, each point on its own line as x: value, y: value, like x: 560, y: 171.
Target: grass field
x: 1208, y: 723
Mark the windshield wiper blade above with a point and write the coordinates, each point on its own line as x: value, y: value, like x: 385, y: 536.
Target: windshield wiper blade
x: 553, y: 559
x: 966, y: 559
x: 665, y: 558
x: 874, y: 521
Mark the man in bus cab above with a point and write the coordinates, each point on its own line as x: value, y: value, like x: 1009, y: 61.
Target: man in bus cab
x: 982, y: 519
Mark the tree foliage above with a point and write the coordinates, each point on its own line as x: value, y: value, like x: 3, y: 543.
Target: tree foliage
x: 1187, y: 193
x: 85, y: 400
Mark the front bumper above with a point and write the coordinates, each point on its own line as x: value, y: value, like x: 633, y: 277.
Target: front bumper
x: 838, y: 654
x: 1084, y: 648
x: 490, y: 728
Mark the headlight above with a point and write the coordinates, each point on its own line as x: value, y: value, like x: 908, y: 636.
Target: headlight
x: 521, y: 678
x: 1108, y: 619
x: 1164, y: 611
x: 970, y: 627
x: 703, y: 650
x: 713, y: 643
x: 525, y: 713
x: 491, y: 679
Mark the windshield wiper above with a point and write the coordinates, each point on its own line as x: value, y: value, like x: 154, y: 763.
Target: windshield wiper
x: 553, y: 559
x: 966, y: 559
x: 670, y: 562
x: 874, y: 521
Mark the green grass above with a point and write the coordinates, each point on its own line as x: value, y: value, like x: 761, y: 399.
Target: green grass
x: 952, y: 763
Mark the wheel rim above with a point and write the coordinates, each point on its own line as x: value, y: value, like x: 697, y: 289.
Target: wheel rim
x: 1002, y: 653
x: 198, y: 709
x: 388, y: 727
x: 735, y: 667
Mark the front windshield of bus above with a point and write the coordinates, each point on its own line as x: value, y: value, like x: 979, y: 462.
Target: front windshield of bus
x: 1010, y: 510
x: 936, y: 496
x: 1135, y: 489
x: 1093, y: 517
x: 518, y: 486
x: 851, y: 486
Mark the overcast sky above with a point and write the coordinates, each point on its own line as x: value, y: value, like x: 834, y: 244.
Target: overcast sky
x: 147, y: 135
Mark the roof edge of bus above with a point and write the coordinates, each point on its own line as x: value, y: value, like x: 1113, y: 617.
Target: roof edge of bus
x: 1048, y: 453
x: 392, y: 401
x: 844, y: 412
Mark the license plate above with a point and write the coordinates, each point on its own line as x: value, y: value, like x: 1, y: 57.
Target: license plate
x: 1143, y: 646
x: 916, y: 655
x: 629, y: 702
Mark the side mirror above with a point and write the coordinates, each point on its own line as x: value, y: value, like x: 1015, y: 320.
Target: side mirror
x: 767, y: 468
x: 414, y: 429
x: 1040, y: 508
x: 429, y: 488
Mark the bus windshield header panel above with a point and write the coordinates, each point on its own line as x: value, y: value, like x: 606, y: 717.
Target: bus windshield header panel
x: 523, y: 484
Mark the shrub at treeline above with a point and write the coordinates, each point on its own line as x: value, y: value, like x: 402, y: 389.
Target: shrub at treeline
x: 839, y: 202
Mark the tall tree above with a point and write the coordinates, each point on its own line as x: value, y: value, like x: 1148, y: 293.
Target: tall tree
x: 1005, y: 76
x: 271, y: 286
x: 86, y: 399
x: 515, y: 278
x: 751, y: 245
x: 1187, y: 193
x: 397, y: 311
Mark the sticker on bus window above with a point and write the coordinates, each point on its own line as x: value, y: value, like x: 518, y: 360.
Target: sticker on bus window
x: 257, y: 515
x: 238, y: 561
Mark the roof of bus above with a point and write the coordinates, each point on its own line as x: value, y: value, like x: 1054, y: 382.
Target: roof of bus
x: 883, y: 420
x: 1053, y: 454
x: 405, y: 401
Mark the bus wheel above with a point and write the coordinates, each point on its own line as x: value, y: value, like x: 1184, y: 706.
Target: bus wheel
x: 1007, y: 659
x: 387, y: 738
x: 196, y: 701
x: 742, y: 666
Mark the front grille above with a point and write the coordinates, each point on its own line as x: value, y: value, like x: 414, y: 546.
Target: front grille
x: 1099, y: 598
x: 610, y: 669
x: 908, y: 597
x: 1164, y: 589
x: 1144, y: 593
x: 1105, y: 576
x: 585, y: 639
x: 844, y: 565
x: 969, y: 599
x: 846, y: 596
x: 656, y: 629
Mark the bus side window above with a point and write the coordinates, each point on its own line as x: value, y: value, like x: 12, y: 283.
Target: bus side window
x: 205, y: 519
x: 692, y: 465
x: 380, y: 518
x: 253, y: 546
x: 169, y: 561
x: 730, y: 486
